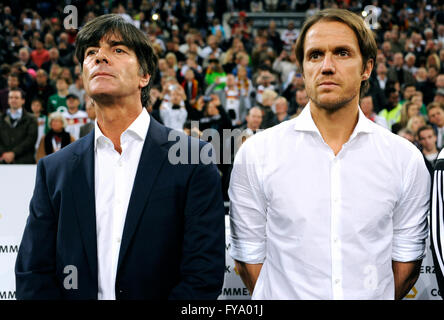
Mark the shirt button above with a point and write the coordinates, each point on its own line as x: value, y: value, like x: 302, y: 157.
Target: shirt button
x: 118, y: 240
x: 337, y: 281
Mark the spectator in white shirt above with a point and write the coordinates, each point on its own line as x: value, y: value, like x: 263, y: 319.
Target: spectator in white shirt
x: 174, y: 113
x: 309, y: 220
x: 75, y: 118
x: 289, y: 35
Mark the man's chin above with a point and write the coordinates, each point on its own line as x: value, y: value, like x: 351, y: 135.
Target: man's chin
x: 332, y: 104
x: 101, y: 97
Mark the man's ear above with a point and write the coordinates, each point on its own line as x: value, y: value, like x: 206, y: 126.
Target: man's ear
x: 144, y: 80
x: 367, y: 70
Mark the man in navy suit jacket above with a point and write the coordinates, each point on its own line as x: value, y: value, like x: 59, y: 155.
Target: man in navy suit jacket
x: 171, y: 242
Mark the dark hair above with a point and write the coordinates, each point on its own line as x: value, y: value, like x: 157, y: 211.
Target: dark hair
x: 108, y: 24
x: 14, y: 75
x: 36, y: 99
x: 366, y: 39
x: 423, y: 128
x: 22, y: 93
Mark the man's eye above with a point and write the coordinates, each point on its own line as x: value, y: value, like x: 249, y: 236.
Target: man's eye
x: 314, y: 55
x: 89, y: 52
x: 343, y: 53
x: 118, y: 50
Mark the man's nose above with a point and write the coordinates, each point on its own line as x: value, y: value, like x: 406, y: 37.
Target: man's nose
x: 102, y: 56
x: 328, y: 64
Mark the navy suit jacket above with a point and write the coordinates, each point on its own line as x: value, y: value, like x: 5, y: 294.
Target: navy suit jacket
x: 173, y: 243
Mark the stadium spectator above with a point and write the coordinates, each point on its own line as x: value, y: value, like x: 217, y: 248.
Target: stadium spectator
x: 429, y: 88
x: 242, y: 61
x: 13, y: 84
x: 408, y: 110
x: 56, y: 138
x: 75, y: 118
x: 435, y: 114
x: 439, y: 96
x: 212, y: 49
x: 397, y: 73
x: 254, y: 122
x: 39, y: 55
x: 18, y: 132
x: 268, y: 99
x: 91, y: 111
x: 366, y: 105
x: 57, y: 102
x: 414, y: 123
x: 285, y: 65
x: 41, y: 89
x: 245, y: 86
x: 281, y: 112
x: 264, y: 82
x: 215, y: 74
x: 173, y: 113
x: 410, y: 60
x: 406, y: 134
x: 42, y: 120
x: 54, y: 58
x: 77, y: 88
x: 24, y: 57
x: 300, y: 101
x: 427, y: 141
x: 233, y: 102
x: 289, y: 36
x: 191, y: 86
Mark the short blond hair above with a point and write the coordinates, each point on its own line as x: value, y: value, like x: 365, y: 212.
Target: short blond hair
x: 269, y: 94
x: 57, y: 116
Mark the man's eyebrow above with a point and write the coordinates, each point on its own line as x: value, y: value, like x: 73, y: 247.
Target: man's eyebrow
x: 114, y: 43
x: 335, y: 49
x: 343, y: 47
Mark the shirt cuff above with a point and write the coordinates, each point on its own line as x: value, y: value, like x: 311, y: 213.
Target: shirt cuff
x: 251, y: 253
x: 406, y: 249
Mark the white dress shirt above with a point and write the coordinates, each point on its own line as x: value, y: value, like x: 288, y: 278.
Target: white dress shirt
x: 326, y: 226
x: 114, y: 178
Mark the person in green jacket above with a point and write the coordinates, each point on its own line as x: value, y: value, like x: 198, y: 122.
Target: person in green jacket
x: 215, y: 73
x: 57, y: 102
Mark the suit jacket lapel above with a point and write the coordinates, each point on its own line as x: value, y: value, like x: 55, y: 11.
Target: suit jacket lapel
x: 83, y: 187
x: 151, y: 160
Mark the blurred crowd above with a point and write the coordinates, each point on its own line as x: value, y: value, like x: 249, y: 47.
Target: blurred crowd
x: 215, y: 68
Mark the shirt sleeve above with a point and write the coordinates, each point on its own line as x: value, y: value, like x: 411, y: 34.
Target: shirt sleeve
x: 410, y: 225
x: 247, y: 208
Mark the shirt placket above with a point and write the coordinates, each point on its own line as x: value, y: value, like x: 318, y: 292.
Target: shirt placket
x: 119, y: 185
x: 335, y: 241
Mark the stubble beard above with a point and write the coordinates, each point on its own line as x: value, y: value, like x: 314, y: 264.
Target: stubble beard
x: 332, y: 106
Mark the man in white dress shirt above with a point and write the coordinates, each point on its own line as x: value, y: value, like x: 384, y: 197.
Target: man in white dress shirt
x: 329, y: 205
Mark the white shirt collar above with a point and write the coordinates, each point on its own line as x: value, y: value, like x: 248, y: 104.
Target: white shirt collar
x: 304, y: 122
x: 138, y: 128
